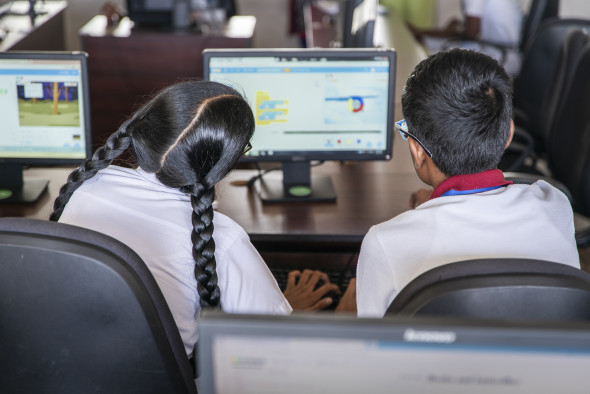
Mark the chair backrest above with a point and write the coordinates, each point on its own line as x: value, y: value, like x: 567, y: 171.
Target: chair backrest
x: 539, y: 11
x: 539, y: 85
x: 80, y: 312
x: 498, y: 289
x: 569, y: 138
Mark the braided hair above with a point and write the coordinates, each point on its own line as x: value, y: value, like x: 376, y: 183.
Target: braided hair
x: 190, y: 135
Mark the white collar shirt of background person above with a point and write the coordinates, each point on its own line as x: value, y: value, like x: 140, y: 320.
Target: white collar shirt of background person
x: 522, y: 221
x: 132, y: 206
x: 501, y: 20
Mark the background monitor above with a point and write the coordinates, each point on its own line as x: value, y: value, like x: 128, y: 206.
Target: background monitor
x: 166, y: 14
x: 343, y: 354
x: 312, y: 104
x: 45, y: 115
x: 359, y: 23
x: 151, y: 13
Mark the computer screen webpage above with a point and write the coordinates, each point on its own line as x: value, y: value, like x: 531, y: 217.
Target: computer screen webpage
x: 315, y: 353
x: 258, y: 365
x: 42, y: 109
x: 315, y: 105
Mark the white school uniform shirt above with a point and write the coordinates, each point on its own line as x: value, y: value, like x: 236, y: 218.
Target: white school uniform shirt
x: 132, y: 206
x: 500, y: 24
x: 501, y: 20
x: 523, y: 221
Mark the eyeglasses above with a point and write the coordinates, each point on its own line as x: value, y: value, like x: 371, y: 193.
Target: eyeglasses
x: 247, y: 148
x: 402, y: 126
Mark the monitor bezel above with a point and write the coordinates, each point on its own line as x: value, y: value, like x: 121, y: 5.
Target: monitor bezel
x: 417, y: 332
x: 352, y: 53
x: 82, y: 57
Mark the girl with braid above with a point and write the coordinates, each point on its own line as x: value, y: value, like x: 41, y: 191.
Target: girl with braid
x: 184, y: 140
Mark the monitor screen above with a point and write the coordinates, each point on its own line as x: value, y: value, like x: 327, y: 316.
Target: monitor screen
x: 45, y: 110
x: 343, y: 354
x: 151, y: 13
x: 314, y: 104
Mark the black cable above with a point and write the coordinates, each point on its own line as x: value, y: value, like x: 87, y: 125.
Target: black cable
x: 261, y: 173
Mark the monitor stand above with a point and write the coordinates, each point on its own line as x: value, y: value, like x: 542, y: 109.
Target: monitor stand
x: 298, y: 185
x: 14, y: 189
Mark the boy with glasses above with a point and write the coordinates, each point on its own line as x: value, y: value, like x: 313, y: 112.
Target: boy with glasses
x: 458, y: 107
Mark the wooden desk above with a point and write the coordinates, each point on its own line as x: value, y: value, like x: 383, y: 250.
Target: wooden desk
x: 367, y: 193
x: 41, y: 209
x: 327, y: 235
x: 45, y: 32
x: 311, y: 234
x: 126, y: 66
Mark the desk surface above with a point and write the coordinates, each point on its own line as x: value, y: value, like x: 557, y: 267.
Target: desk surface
x: 367, y: 192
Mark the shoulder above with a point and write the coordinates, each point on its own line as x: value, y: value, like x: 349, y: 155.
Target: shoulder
x: 540, y: 190
x: 227, y: 233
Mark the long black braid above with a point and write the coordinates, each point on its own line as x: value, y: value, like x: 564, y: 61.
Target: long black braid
x: 204, y: 246
x: 190, y: 135
x: 116, y: 144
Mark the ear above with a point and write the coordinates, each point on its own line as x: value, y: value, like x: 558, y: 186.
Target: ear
x: 418, y: 153
x: 511, y: 134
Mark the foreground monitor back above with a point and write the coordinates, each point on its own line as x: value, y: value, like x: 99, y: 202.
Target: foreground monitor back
x: 45, y: 113
x: 343, y: 354
x: 312, y: 104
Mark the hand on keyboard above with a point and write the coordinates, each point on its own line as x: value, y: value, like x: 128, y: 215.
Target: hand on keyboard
x: 309, y: 290
x: 348, y: 300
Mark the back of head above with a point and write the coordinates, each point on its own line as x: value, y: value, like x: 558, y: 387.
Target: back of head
x: 191, y: 132
x: 191, y: 135
x: 458, y: 103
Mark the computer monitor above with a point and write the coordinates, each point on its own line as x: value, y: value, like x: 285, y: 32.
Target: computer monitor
x: 154, y: 14
x: 359, y: 23
x: 343, y: 354
x: 311, y: 104
x: 45, y: 115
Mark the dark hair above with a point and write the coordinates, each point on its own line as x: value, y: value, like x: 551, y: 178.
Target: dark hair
x: 458, y: 103
x: 190, y: 135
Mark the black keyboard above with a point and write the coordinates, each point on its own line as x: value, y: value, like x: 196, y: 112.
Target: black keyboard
x: 339, y: 277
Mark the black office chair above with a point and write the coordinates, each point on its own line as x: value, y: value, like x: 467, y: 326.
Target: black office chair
x: 537, y: 89
x: 539, y: 11
x: 81, y: 313
x: 569, y: 140
x: 548, y: 61
x: 498, y: 289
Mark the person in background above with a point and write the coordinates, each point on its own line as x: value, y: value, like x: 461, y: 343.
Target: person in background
x: 457, y: 105
x: 487, y: 26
